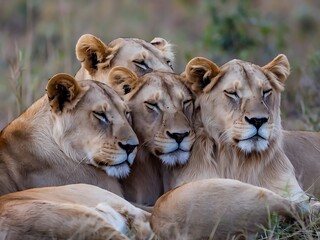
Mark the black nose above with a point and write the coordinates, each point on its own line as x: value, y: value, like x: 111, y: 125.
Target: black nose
x: 178, y: 136
x: 127, y: 147
x: 257, y: 122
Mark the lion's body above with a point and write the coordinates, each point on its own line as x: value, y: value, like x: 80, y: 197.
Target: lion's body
x: 216, y: 209
x: 76, y: 211
x: 239, y: 134
x: 303, y: 150
x: 57, y: 140
x: 162, y: 116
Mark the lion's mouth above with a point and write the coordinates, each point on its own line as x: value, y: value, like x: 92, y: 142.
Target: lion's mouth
x: 254, y: 138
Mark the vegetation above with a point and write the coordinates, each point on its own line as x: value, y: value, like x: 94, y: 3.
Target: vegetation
x: 37, y: 40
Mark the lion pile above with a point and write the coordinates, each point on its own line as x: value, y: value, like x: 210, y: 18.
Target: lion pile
x: 128, y: 149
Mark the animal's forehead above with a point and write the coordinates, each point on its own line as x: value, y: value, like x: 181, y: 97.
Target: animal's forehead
x: 100, y: 93
x: 136, y: 45
x: 164, y: 87
x: 243, y: 74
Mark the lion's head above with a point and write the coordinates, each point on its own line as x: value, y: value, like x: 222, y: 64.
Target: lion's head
x: 138, y: 55
x: 162, y: 112
x: 240, y: 101
x: 92, y: 124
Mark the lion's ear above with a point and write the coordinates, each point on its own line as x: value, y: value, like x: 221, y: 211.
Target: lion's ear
x: 164, y: 46
x: 92, y: 53
x: 279, y: 67
x: 200, y: 74
x: 64, y: 92
x: 123, y: 80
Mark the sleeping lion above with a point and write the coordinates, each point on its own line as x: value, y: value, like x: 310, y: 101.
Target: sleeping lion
x: 238, y: 137
x: 162, y: 117
x: 79, y: 132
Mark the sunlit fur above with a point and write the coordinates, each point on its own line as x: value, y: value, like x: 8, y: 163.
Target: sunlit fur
x: 221, y: 126
x: 161, y: 105
x: 135, y: 54
x: 76, y: 211
x: 217, y: 209
x: 55, y: 141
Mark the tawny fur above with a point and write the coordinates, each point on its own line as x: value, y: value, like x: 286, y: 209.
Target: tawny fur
x: 217, y: 209
x: 97, y: 58
x: 78, y: 211
x: 161, y: 106
x: 223, y: 120
x: 61, y: 140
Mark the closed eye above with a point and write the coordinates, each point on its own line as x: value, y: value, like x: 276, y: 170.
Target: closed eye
x: 267, y: 93
x: 169, y: 64
x: 101, y: 117
x: 141, y: 64
x: 152, y: 106
x: 231, y: 94
x: 187, y: 103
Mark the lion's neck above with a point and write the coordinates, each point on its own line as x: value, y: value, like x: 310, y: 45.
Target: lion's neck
x: 210, y: 159
x: 145, y: 183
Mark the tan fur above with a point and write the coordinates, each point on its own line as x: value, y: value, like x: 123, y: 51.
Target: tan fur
x: 63, y: 138
x: 78, y: 211
x: 303, y: 150
x: 217, y: 209
x: 161, y: 108
x: 229, y: 99
x: 138, y: 55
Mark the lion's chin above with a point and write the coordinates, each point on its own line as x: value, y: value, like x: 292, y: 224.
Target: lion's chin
x: 255, y: 144
x: 176, y: 157
x: 118, y: 171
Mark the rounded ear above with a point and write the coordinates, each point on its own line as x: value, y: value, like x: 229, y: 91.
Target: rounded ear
x: 64, y: 92
x: 123, y: 80
x: 280, y: 67
x: 164, y: 46
x: 91, y: 51
x: 200, y: 73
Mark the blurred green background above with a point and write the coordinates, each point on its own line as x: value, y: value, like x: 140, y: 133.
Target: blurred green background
x: 38, y: 37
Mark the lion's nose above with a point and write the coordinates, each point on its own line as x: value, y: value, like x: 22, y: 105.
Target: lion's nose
x: 257, y: 122
x: 127, y: 147
x: 178, y: 136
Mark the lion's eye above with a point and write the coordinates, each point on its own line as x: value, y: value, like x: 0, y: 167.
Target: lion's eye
x: 128, y: 115
x: 232, y: 94
x: 141, y: 64
x: 169, y: 64
x: 187, y: 103
x: 101, y: 116
x: 267, y: 93
x: 152, y: 106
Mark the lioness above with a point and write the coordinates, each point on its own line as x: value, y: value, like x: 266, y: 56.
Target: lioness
x: 162, y: 116
x: 76, y: 211
x: 138, y: 55
x: 58, y: 139
x: 240, y: 135
x: 217, y: 209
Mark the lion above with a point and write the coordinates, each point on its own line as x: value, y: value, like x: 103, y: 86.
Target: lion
x: 219, y: 209
x: 79, y: 132
x: 76, y: 211
x: 238, y: 137
x: 239, y: 134
x: 162, y: 117
x: 303, y: 150
x: 135, y: 54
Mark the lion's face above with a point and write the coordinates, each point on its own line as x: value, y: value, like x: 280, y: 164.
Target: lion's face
x: 162, y: 112
x: 106, y: 139
x: 135, y: 54
x: 240, y: 101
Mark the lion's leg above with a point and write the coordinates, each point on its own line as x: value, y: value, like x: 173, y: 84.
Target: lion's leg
x: 48, y: 220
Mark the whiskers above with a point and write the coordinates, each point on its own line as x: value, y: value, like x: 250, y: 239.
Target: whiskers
x: 144, y: 144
